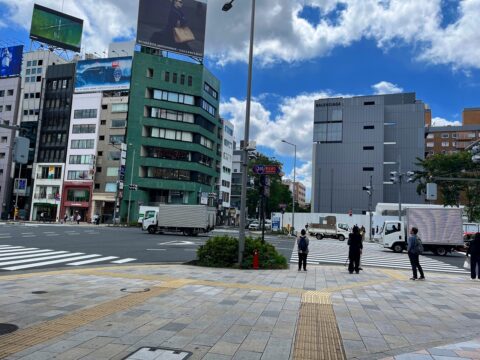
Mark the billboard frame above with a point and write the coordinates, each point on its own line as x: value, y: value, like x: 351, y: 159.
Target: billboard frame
x: 53, y: 42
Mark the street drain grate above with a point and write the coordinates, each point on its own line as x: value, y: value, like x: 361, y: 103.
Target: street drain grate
x: 135, y: 290
x: 7, y: 329
x: 39, y: 292
x: 150, y: 353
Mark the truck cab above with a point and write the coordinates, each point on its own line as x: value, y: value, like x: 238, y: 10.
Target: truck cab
x: 394, y: 236
x: 149, y: 221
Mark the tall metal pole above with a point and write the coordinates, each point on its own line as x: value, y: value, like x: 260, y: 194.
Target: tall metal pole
x: 243, y: 198
x: 294, y: 189
x: 16, y: 195
x: 130, y: 190
x: 370, y: 205
x: 400, y: 175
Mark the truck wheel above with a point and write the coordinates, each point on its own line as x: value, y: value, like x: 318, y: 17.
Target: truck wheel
x: 319, y: 236
x: 398, y: 248
x: 441, y: 251
x: 151, y: 229
x: 341, y: 237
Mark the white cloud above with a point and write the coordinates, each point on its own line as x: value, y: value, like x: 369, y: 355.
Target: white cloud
x: 438, y: 121
x: 385, y: 87
x: 283, y: 35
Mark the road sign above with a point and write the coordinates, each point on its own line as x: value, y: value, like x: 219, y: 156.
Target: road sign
x: 266, y: 169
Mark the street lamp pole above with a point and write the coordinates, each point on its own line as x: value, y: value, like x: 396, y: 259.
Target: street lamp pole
x: 243, y: 198
x: 130, y: 190
x: 294, y: 192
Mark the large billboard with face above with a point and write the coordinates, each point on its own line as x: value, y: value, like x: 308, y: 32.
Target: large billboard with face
x: 174, y: 25
x: 103, y: 74
x: 56, y: 28
x: 11, y: 61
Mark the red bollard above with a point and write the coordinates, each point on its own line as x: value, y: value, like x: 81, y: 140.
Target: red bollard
x: 255, y: 260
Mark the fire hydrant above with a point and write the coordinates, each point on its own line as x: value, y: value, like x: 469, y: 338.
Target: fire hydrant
x: 255, y: 259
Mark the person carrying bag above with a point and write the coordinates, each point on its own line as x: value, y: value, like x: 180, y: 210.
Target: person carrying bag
x: 302, y: 244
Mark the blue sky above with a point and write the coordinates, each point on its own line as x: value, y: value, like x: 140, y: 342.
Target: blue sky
x: 307, y: 49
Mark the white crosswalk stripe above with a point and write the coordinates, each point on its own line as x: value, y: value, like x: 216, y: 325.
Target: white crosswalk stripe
x: 20, y: 257
x: 334, y: 252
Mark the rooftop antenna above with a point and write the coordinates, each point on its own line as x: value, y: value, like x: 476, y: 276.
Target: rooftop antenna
x: 63, y: 3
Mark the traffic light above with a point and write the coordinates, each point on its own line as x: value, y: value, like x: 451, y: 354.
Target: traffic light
x: 133, y: 187
x: 368, y: 189
x: 394, y: 176
x: 410, y: 175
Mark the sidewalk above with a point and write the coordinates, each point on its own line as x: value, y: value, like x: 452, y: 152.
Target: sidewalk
x: 325, y: 313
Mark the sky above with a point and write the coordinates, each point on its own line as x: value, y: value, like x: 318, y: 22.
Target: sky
x: 305, y: 50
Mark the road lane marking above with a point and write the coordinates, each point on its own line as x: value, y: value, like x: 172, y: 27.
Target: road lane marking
x: 50, y: 252
x: 39, y: 259
x: 21, y: 252
x: 156, y: 249
x: 122, y: 261
x: 20, y: 267
x: 106, y: 258
x: 15, y: 248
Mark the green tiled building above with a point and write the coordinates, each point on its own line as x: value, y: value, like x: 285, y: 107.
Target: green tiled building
x: 173, y: 134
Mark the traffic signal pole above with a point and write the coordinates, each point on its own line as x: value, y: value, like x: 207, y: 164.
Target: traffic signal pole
x: 129, y: 189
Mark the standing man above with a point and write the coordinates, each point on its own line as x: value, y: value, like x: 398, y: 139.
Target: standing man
x: 474, y: 251
x: 302, y: 244
x: 414, y: 250
x: 355, y: 244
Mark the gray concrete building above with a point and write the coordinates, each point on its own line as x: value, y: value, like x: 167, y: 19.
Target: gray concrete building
x: 361, y: 137
x: 9, y: 103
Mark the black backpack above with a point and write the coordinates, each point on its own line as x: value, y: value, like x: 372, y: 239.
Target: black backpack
x: 302, y: 244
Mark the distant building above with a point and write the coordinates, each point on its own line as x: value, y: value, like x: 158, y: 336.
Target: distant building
x: 299, y: 190
x: 9, y: 104
x: 361, y: 137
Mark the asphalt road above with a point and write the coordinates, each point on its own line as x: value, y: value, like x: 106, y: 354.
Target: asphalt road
x: 19, y: 244
x: 107, y: 242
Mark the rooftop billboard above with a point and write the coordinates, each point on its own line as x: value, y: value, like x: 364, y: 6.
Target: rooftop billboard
x: 103, y: 74
x: 174, y: 25
x: 56, y: 28
x: 11, y: 61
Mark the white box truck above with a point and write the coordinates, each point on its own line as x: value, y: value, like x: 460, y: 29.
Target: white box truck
x: 187, y: 219
x: 328, y: 227
x: 440, y: 230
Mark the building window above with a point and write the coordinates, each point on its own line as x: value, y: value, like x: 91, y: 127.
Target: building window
x: 171, y: 134
x: 8, y: 107
x: 228, y: 130
x: 445, y: 136
x: 430, y: 144
x: 211, y: 91
x: 103, y: 122
x: 78, y: 195
x: 81, y: 159
x: 119, y: 123
x: 99, y: 153
x: 369, y: 103
x: 226, y: 183
x: 82, y: 144
x: 445, y: 144
x: 149, y: 72
x: 206, y: 142
x: 111, y: 187
x: 112, y: 171
x: 227, y: 144
x: 368, y: 148
x: 174, y: 78
x: 431, y: 136
x: 79, y: 175
x: 471, y: 135
x: 119, y: 108
x: 101, y: 137
x: 172, y: 115
x: 190, y: 80
x: 85, y: 114
x: 116, y: 139
x: 97, y: 186
x: 10, y: 92
x: 173, y: 97
x: 208, y: 108
x: 454, y: 144
x: 114, y: 155
x: 368, y: 169
x: 99, y: 169
x: 84, y: 129
x: 4, y: 139
x: 454, y: 135
x: 167, y: 76
x: 328, y: 132
x: 182, y: 79
x: 168, y: 174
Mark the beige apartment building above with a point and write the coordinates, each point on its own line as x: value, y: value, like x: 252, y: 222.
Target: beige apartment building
x: 299, y: 189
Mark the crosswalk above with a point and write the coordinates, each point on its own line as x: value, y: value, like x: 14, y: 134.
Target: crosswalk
x: 335, y: 252
x: 21, y: 257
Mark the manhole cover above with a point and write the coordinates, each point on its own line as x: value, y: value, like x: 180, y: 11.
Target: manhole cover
x: 135, y: 290
x: 7, y: 328
x: 39, y: 292
x: 150, y: 353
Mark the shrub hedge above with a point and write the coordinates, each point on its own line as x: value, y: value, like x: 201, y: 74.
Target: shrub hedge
x: 222, y: 251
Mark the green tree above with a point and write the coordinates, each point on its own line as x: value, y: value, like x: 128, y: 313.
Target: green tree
x: 457, y: 190
x: 279, y: 193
